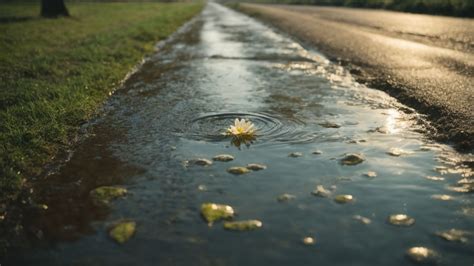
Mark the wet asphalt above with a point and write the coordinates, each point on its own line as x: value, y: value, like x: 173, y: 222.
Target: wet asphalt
x: 425, y: 61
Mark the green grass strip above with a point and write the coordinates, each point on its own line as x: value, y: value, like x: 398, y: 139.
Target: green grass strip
x: 55, y: 73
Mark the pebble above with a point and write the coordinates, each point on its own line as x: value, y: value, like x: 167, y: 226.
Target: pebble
x: 122, y: 231
x: 309, y: 241
x: 246, y: 225
x: 104, y: 194
x: 362, y: 219
x: 295, y: 154
x: 317, y: 152
x: 330, y: 125
x: 344, y: 198
x: 285, y: 197
x: 223, y: 158
x: 201, y: 162
x: 371, y: 174
x: 401, y: 220
x: 397, y: 152
x: 421, y: 255
x: 321, y: 191
x: 213, y: 212
x: 352, y: 159
x: 238, y: 170
x: 454, y: 235
x: 256, y: 166
x: 441, y: 197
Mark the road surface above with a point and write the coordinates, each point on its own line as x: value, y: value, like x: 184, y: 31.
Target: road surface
x: 425, y: 61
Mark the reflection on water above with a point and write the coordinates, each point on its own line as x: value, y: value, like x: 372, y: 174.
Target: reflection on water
x: 309, y: 114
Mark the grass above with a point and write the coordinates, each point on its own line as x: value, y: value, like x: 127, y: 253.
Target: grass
x: 463, y: 8
x: 56, y: 73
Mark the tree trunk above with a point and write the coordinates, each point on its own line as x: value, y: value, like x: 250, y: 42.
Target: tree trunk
x: 53, y: 8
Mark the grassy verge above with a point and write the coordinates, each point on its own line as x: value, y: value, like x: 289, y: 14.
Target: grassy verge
x: 55, y: 73
x: 442, y: 7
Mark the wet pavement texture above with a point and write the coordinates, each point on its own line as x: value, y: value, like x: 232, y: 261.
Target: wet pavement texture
x: 340, y: 159
x: 426, y: 62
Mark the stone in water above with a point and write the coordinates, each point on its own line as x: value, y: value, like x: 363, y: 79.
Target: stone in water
x: 454, y: 235
x: 295, y: 154
x: 401, y: 220
x: 213, y: 212
x: 441, y: 197
x: 397, y: 152
x: 309, y: 241
x: 371, y: 174
x: 256, y: 166
x: 122, y: 231
x: 362, y: 219
x: 352, y: 159
x: 238, y: 170
x: 104, y: 194
x: 321, y: 192
x: 243, y: 225
x: 223, y: 158
x: 317, y: 152
x: 285, y: 197
x: 421, y: 255
x: 329, y: 125
x: 201, y: 162
x: 343, y: 199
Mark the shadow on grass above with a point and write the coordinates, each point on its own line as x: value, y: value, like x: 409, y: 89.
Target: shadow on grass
x: 9, y: 20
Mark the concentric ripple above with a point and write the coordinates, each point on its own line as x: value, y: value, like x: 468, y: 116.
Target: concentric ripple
x: 269, y: 129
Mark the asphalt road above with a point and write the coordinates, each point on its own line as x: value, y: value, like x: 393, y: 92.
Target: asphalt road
x: 427, y: 62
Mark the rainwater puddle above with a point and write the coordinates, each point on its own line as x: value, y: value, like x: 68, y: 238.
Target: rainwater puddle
x: 309, y: 113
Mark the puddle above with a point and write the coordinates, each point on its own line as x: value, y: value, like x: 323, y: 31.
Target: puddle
x: 227, y: 66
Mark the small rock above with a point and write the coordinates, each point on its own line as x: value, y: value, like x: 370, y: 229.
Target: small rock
x: 122, y: 231
x: 465, y: 181
x: 465, y: 188
x: 352, y: 159
x: 401, y: 220
x: 343, y: 199
x: 309, y: 241
x: 454, y: 235
x: 421, y: 255
x: 371, y: 174
x: 104, y: 194
x: 213, y: 212
x: 329, y: 125
x: 317, y: 152
x: 362, y: 219
x: 256, y: 166
x: 238, y: 170
x: 243, y: 225
x: 320, y: 191
x: 202, y: 188
x: 434, y: 178
x: 285, y: 197
x: 295, y: 154
x: 398, y: 152
x: 223, y: 158
x: 441, y: 197
x: 200, y: 162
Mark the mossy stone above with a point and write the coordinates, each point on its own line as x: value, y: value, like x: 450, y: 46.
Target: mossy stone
x: 122, y: 231
x: 213, y: 212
